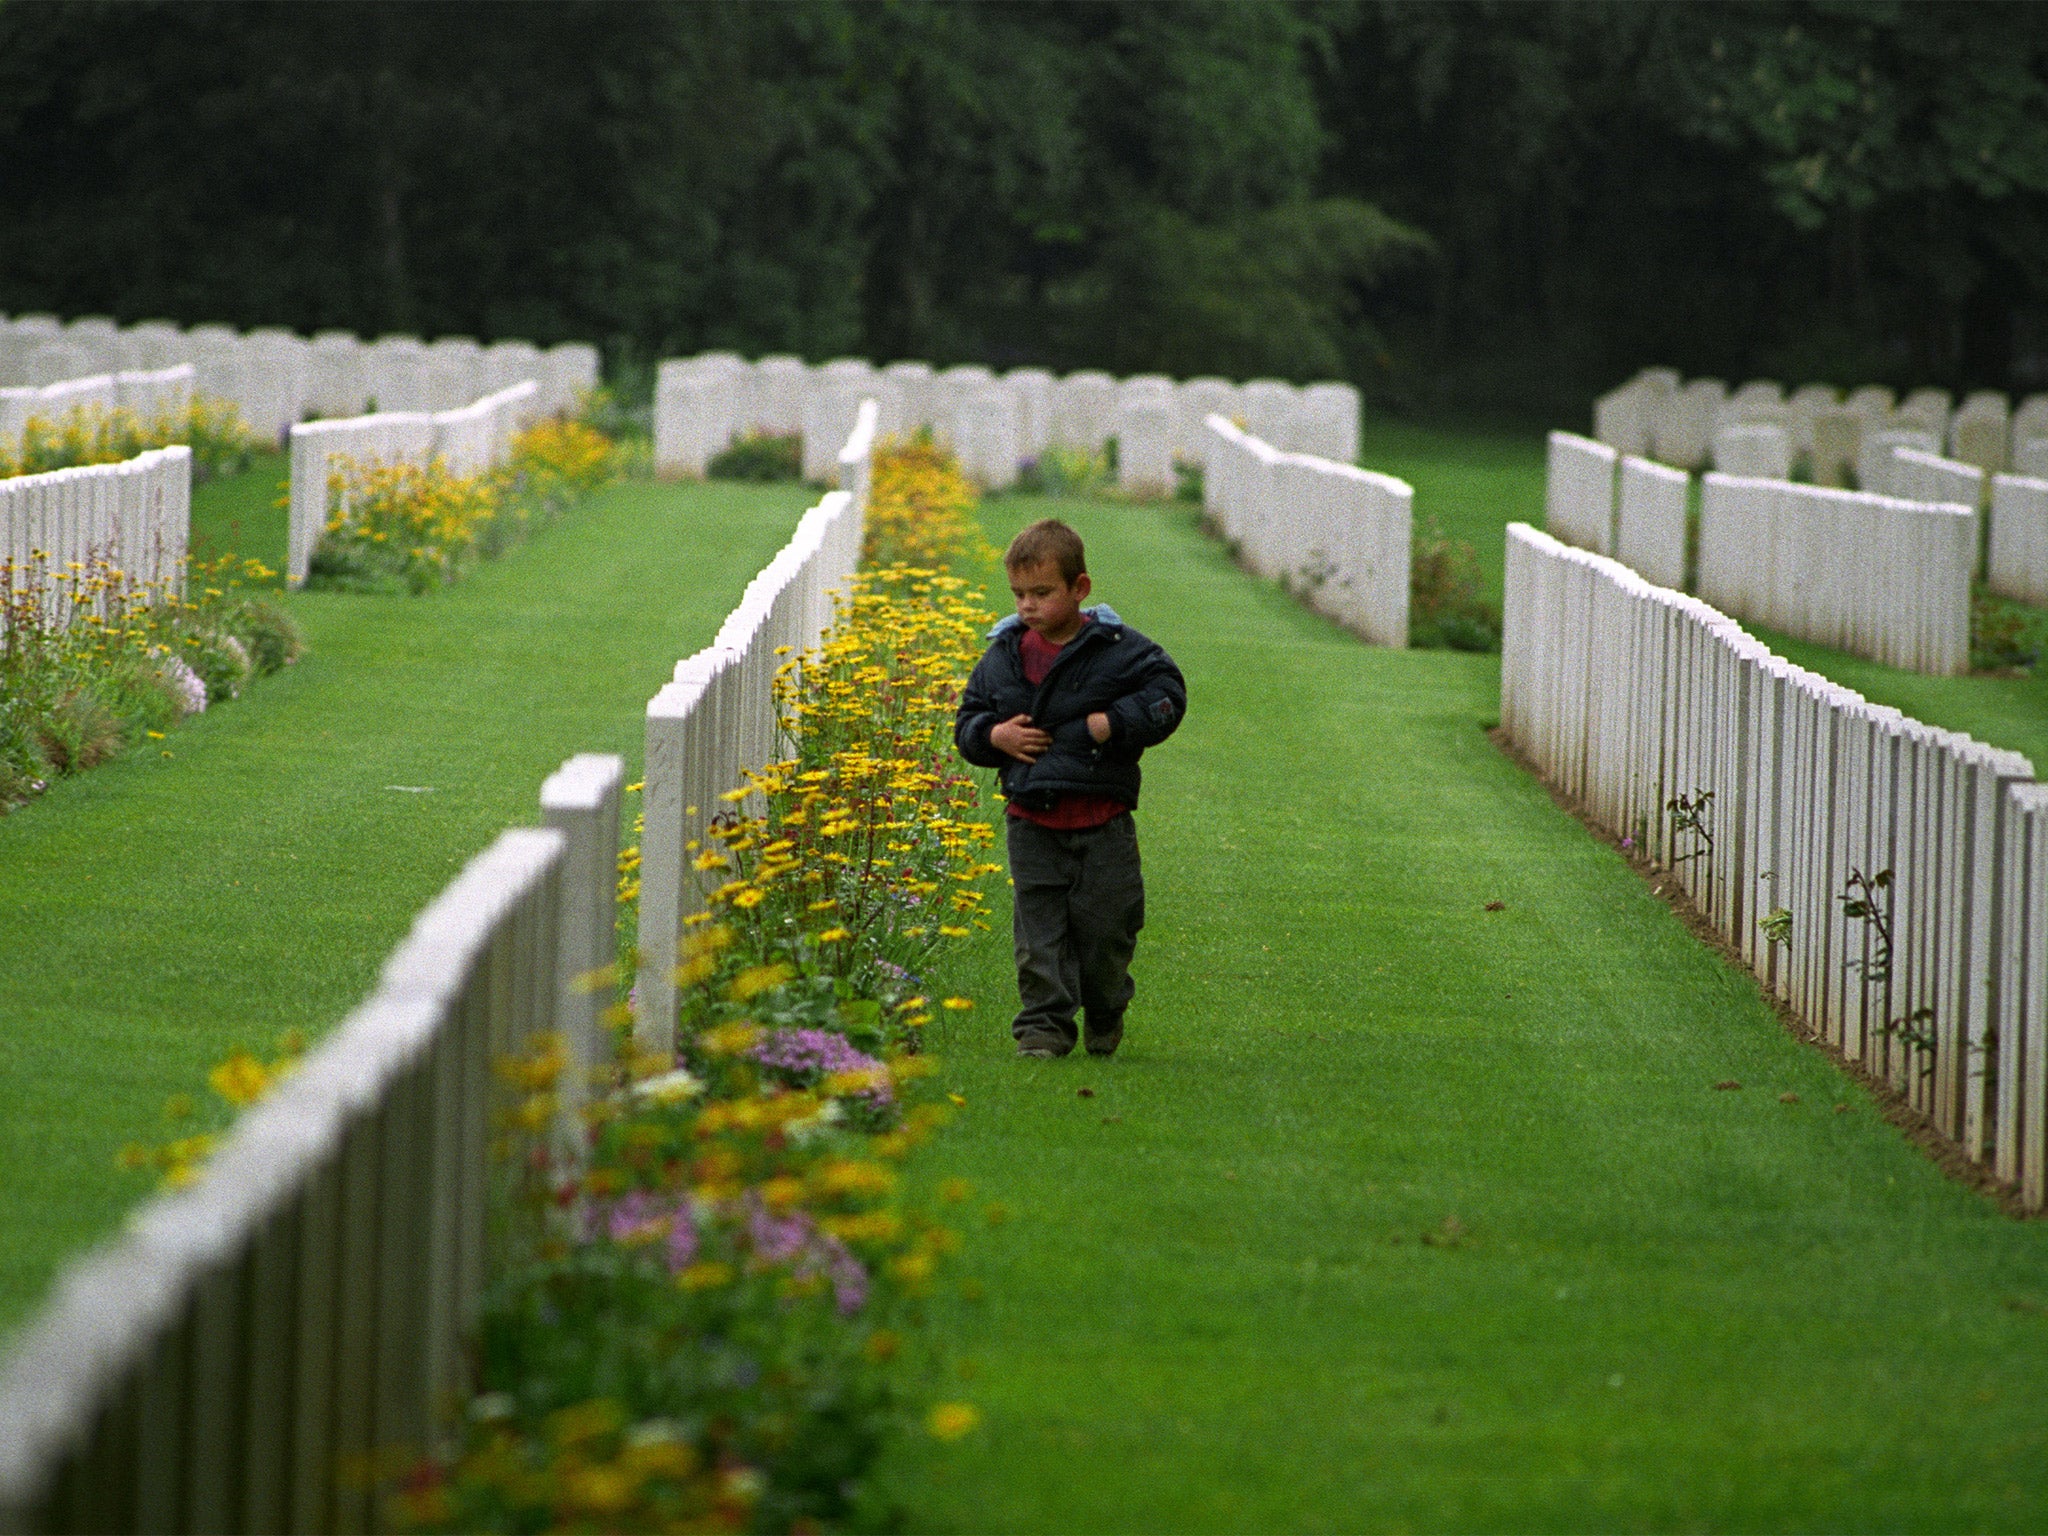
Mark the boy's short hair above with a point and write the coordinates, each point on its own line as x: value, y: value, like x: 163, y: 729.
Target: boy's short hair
x: 1048, y: 542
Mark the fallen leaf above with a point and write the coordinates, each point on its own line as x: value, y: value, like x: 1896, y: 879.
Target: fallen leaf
x: 1496, y: 906
x: 1112, y: 1119
x: 1230, y: 1176
x: 1726, y: 1084
x: 1788, y: 1098
x: 1450, y: 1235
x: 1841, y: 1109
x: 1086, y: 1093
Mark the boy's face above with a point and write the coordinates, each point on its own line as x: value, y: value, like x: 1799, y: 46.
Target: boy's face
x: 1045, y: 601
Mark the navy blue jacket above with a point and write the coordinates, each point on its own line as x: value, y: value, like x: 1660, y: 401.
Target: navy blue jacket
x: 1108, y: 667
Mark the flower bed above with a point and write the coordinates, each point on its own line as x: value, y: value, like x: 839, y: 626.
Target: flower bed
x: 413, y: 527
x: 726, y: 1281
x: 712, y: 1318
x: 220, y: 440
x: 92, y: 661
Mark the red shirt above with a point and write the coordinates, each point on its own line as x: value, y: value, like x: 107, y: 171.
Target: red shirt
x: 1071, y: 812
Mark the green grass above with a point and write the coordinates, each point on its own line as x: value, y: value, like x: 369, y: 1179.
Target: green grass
x: 241, y: 516
x: 1471, y: 483
x: 1212, y: 1309
x: 249, y: 874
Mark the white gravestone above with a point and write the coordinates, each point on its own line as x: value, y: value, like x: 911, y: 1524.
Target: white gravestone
x: 1754, y: 448
x: 1145, y: 431
x: 1650, y: 520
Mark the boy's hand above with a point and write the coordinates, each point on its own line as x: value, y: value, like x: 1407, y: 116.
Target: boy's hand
x: 1098, y: 727
x: 1017, y: 737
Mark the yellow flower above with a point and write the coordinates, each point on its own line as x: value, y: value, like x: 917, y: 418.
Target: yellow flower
x: 750, y: 984
x: 833, y: 935
x: 241, y: 1079
x: 959, y: 1004
x: 952, y: 1421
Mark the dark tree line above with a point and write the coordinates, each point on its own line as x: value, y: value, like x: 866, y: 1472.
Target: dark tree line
x: 1472, y: 202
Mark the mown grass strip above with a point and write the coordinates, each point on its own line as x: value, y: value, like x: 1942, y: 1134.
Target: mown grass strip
x: 1396, y: 1212
x: 248, y: 874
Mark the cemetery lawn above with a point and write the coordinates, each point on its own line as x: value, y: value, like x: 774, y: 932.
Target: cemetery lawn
x: 1470, y: 481
x: 240, y: 515
x: 247, y: 875
x: 1399, y: 1213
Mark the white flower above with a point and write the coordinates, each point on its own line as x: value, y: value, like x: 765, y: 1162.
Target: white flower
x: 803, y: 1131
x: 187, y: 686
x: 670, y: 1087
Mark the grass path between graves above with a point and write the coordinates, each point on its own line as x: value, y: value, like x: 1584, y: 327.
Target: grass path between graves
x: 159, y: 912
x: 1397, y: 1213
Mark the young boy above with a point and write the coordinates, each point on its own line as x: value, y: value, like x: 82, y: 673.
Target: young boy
x: 1063, y: 703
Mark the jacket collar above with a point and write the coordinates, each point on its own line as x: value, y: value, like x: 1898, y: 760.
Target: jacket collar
x: 1101, y: 613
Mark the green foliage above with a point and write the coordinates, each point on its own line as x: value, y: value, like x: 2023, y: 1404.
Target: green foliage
x: 1447, y: 605
x: 268, y: 631
x: 2005, y: 636
x: 764, y: 457
x: 1276, y: 292
x: 1065, y: 472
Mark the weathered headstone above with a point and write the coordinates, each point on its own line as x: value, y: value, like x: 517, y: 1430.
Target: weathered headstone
x: 984, y: 433
x: 2017, y: 565
x: 1874, y: 459
x: 1195, y: 401
x: 1650, y: 520
x: 1269, y: 407
x: 1980, y: 434
x: 1682, y: 425
x: 1081, y: 405
x: 1032, y: 390
x: 1756, y: 449
x: 1327, y: 423
x: 1145, y: 430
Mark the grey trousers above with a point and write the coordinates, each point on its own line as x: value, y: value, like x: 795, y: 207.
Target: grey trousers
x: 1080, y: 901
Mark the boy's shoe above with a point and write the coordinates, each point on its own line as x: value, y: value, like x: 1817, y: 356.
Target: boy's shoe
x: 1104, y: 1041
x: 1043, y: 1047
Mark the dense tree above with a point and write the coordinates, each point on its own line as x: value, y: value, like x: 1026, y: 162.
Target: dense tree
x: 1475, y: 201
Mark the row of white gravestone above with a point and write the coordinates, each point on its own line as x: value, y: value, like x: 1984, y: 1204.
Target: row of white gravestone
x: 2015, y: 554
x: 1877, y: 576
x: 1760, y: 430
x: 310, y: 1303
x: 469, y: 440
x: 1885, y: 577
x: 1629, y: 696
x: 135, y: 517
x: 1339, y: 536
x: 995, y: 424
x: 1632, y: 508
x: 276, y: 377
x: 162, y: 393
x: 717, y: 717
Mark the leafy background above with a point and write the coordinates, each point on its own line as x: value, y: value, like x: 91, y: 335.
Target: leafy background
x: 1468, y: 205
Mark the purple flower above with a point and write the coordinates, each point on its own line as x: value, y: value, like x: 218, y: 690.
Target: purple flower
x: 802, y: 1058
x: 638, y: 1215
x: 795, y: 1241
